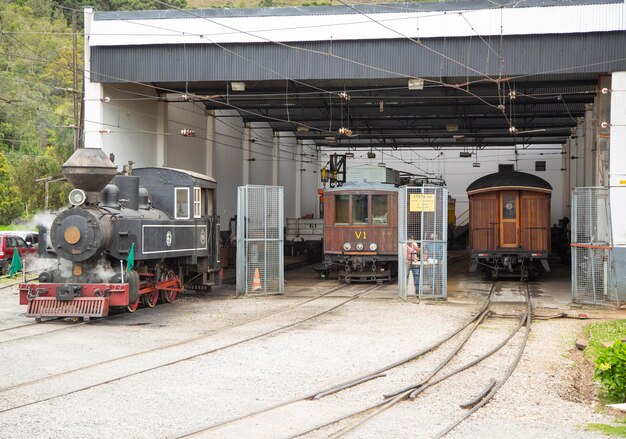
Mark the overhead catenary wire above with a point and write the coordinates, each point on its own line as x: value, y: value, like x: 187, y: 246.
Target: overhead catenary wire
x: 254, y: 113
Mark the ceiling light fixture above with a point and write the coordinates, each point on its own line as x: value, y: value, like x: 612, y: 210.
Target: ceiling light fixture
x: 238, y: 86
x: 416, y: 84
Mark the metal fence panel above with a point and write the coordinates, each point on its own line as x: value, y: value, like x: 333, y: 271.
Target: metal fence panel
x: 422, y: 220
x: 260, y: 228
x: 593, y: 278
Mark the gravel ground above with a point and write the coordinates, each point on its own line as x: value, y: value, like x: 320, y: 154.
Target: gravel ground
x: 540, y: 399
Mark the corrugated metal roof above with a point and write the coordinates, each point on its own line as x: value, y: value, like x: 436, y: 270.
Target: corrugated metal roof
x: 455, y: 19
x: 523, y: 55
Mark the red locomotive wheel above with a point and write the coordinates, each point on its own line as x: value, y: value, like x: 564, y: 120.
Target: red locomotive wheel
x: 151, y: 299
x: 133, y: 307
x: 169, y: 296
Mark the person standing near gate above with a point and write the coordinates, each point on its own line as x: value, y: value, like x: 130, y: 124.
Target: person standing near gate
x: 413, y: 259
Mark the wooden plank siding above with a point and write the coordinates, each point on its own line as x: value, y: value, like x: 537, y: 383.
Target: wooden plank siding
x: 535, y: 221
x: 484, y: 221
x: 533, y: 216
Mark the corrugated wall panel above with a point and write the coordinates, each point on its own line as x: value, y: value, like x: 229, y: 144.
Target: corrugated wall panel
x: 523, y: 55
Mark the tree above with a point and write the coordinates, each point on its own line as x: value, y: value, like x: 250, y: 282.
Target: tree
x: 32, y: 193
x: 9, y: 198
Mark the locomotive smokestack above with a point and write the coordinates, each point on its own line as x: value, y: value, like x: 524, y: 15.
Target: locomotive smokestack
x: 89, y: 169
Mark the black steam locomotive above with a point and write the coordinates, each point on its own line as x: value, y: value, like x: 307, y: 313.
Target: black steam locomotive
x: 126, y: 240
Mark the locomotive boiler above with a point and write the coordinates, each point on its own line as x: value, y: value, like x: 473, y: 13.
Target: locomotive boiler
x: 509, y: 224
x: 126, y: 240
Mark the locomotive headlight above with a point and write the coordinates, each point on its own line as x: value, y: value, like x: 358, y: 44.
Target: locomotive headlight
x: 359, y: 246
x: 373, y: 246
x: 77, y: 197
x: 347, y: 246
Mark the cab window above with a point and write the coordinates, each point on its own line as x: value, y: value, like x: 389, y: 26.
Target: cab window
x: 181, y: 201
x: 341, y: 209
x: 379, y: 209
x: 359, y: 209
x: 197, y: 202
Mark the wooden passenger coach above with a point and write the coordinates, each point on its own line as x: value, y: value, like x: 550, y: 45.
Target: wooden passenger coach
x: 509, y: 222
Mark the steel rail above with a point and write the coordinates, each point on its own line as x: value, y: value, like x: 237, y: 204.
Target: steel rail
x: 508, y: 374
x: 189, y: 357
x: 169, y: 345
x: 396, y: 397
x: 318, y: 394
x: 413, y: 391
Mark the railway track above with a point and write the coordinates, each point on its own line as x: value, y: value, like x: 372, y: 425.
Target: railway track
x: 42, y: 325
x: 411, y: 392
x: 180, y: 343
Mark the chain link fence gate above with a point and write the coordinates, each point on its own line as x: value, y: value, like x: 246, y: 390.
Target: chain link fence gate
x: 592, y: 266
x: 260, y: 236
x: 422, y: 221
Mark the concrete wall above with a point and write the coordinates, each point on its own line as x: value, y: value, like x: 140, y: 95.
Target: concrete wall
x: 262, y: 153
x: 228, y: 169
x: 147, y: 131
x: 309, y: 169
x: 187, y: 152
x: 132, y: 119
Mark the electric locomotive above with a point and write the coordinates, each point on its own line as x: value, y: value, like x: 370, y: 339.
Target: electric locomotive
x: 361, y: 231
x: 126, y: 240
x: 509, y: 224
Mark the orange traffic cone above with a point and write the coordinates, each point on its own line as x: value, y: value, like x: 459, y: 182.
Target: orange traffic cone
x: 256, y: 280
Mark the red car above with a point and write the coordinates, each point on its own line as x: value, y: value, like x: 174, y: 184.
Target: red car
x: 8, y: 243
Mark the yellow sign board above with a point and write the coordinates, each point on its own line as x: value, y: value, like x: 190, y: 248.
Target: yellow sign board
x: 421, y: 202
x: 622, y: 182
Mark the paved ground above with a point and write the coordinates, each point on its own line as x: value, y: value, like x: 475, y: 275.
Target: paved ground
x: 212, y: 385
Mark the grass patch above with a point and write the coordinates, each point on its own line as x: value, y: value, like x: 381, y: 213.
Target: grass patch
x: 609, y: 430
x: 599, y: 332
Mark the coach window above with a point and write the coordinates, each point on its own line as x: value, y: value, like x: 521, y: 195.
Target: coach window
x: 379, y: 209
x: 341, y: 209
x: 181, y: 201
x: 197, y: 202
x: 359, y: 209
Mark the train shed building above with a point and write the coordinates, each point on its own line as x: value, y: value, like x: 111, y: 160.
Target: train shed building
x: 264, y: 96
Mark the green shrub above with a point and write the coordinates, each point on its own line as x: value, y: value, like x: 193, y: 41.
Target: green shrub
x: 611, y: 371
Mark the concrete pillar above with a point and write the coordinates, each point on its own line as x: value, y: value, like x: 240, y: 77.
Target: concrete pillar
x: 589, y: 143
x: 580, y: 153
x: 617, y: 177
x: 94, y: 95
x: 602, y: 110
x: 275, y: 157
x: 298, y: 164
x: 617, y: 166
x: 161, y: 138
x: 566, y: 163
x: 245, y: 156
x: 210, y: 142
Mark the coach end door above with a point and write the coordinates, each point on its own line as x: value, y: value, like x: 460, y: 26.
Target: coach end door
x: 509, y: 225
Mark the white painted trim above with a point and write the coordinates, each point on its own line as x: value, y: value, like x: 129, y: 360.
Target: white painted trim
x: 437, y: 24
x: 143, y: 234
